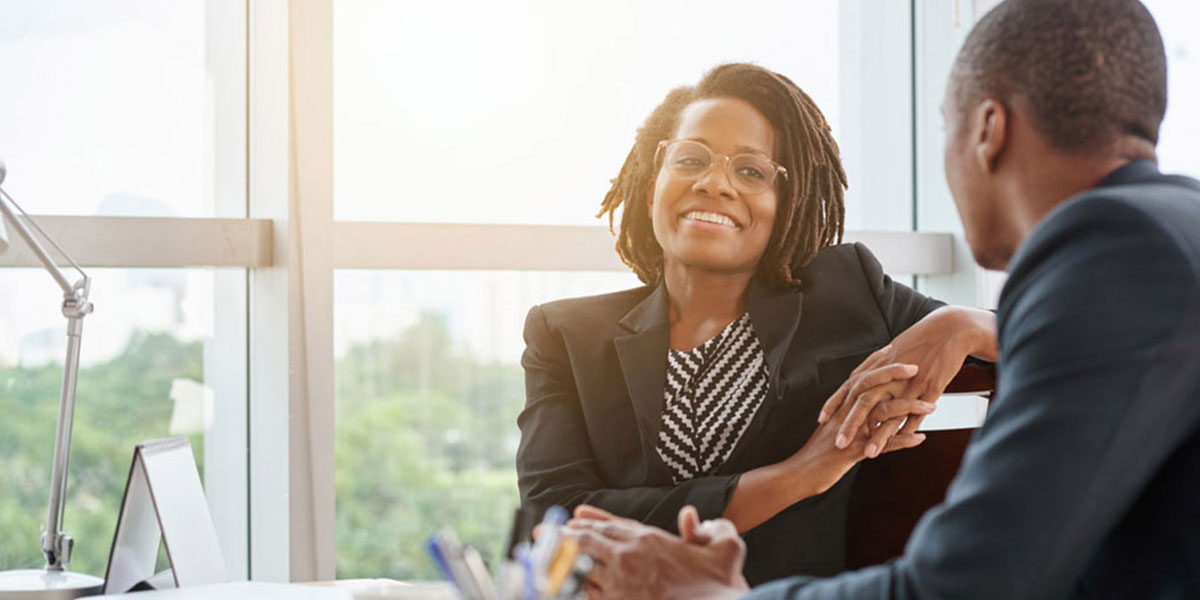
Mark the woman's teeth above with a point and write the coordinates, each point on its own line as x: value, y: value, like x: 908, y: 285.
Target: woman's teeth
x: 710, y: 217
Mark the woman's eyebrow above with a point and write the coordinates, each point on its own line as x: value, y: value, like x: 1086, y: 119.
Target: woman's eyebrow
x: 738, y: 150
x: 751, y: 150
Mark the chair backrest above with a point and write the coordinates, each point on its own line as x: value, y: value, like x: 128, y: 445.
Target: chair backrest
x: 891, y: 492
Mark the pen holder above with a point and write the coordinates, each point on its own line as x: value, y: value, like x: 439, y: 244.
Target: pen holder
x: 550, y: 568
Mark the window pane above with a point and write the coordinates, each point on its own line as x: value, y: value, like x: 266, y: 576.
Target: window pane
x: 521, y: 112
x: 1179, y: 144
x: 150, y: 361
x: 123, y: 107
x: 429, y: 385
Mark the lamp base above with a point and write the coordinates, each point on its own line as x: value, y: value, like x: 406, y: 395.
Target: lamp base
x: 40, y: 584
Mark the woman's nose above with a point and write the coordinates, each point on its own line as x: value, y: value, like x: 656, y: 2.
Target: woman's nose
x: 715, y: 181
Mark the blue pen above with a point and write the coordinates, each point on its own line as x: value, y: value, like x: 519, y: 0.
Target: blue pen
x: 444, y: 547
x: 435, y: 553
x: 548, y: 535
x: 521, y: 553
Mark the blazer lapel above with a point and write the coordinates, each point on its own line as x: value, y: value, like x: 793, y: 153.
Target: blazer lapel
x: 775, y: 315
x: 643, y: 358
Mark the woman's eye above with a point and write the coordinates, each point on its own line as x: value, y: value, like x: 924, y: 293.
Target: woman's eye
x: 752, y: 172
x: 689, y: 161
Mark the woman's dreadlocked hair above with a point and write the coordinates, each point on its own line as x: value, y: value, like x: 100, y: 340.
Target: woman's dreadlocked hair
x: 810, y: 213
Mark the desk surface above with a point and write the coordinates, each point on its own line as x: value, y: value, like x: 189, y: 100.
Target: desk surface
x: 352, y: 589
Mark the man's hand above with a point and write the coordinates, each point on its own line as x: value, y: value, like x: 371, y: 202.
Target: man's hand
x: 691, y: 529
x: 937, y: 345
x: 634, y: 561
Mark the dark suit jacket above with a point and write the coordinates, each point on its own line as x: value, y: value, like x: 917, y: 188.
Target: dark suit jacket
x: 1084, y: 482
x: 595, y: 369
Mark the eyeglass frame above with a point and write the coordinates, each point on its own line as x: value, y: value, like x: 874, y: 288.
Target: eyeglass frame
x: 779, y: 169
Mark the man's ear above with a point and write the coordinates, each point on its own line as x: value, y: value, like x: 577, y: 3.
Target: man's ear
x: 991, y: 133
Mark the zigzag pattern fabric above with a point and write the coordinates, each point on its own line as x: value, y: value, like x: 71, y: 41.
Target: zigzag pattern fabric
x: 712, y: 393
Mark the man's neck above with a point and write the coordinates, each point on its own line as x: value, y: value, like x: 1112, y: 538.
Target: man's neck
x: 1053, y: 177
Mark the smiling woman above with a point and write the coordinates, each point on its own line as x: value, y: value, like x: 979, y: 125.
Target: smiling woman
x: 703, y: 386
x: 699, y: 228
x: 725, y: 107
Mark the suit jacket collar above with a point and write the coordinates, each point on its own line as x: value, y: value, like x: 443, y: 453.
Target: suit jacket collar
x: 1134, y: 172
x: 651, y: 313
x: 774, y: 314
x: 765, y: 305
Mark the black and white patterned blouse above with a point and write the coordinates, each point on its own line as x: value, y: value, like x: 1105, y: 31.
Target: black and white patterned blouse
x: 712, y: 393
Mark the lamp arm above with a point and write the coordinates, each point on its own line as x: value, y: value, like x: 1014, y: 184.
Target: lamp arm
x: 59, y: 277
x: 56, y: 545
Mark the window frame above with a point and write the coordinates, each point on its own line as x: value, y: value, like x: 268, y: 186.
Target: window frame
x: 290, y: 246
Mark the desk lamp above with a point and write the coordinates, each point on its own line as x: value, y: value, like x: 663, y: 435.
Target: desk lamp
x: 53, y: 580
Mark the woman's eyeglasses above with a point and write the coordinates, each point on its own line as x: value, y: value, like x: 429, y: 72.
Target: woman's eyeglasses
x: 689, y: 159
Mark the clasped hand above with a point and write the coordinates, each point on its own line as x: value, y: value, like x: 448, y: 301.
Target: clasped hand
x: 916, y: 366
x: 635, y: 561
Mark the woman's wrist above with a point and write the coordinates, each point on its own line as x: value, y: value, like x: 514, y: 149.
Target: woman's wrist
x: 982, y: 333
x: 764, y: 492
x: 797, y: 477
x: 789, y: 481
x: 974, y: 331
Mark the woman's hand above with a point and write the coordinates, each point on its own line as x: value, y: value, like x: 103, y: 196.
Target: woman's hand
x: 764, y: 492
x: 937, y: 344
x: 823, y: 461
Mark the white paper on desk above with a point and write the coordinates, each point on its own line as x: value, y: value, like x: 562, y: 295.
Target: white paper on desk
x: 246, y: 590
x: 956, y: 411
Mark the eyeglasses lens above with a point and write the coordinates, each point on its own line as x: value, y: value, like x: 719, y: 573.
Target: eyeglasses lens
x: 749, y: 173
x: 688, y: 159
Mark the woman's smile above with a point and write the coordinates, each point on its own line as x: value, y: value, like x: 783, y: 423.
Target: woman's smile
x: 706, y: 220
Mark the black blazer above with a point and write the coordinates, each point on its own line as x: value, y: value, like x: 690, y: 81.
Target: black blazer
x: 595, y: 368
x: 1084, y: 482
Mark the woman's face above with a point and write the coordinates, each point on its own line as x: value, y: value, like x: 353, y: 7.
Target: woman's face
x: 704, y: 222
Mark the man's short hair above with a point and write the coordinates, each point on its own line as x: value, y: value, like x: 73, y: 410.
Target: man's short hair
x: 1092, y: 71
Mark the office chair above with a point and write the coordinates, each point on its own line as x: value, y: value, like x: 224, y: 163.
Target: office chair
x: 890, y: 493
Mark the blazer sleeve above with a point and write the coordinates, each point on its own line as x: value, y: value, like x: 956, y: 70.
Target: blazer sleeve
x: 555, y: 460
x: 900, y: 305
x: 1098, y: 329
